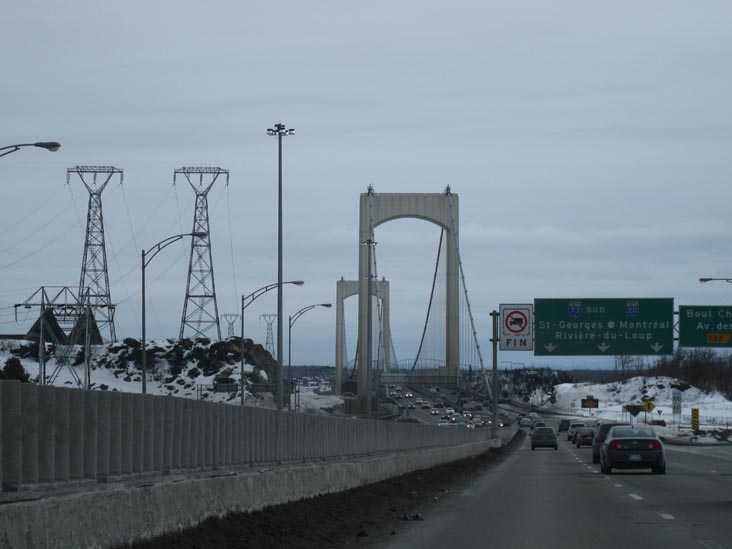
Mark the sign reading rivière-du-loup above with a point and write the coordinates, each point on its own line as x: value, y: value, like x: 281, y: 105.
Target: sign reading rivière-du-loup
x: 618, y: 326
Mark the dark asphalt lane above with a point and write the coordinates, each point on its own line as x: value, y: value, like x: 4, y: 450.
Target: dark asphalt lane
x: 559, y: 499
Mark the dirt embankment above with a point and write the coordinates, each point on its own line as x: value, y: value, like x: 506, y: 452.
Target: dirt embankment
x: 338, y: 520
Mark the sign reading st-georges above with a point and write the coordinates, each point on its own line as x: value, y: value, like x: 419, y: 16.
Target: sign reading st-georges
x: 616, y: 326
x: 516, y: 327
x: 705, y: 326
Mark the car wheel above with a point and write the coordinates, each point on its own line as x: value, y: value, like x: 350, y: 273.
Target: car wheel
x: 533, y: 448
x: 604, y: 469
x: 660, y: 470
x: 595, y: 459
x: 577, y: 445
x: 556, y: 447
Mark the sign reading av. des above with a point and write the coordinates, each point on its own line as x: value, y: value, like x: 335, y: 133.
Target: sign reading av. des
x: 705, y: 326
x: 516, y: 327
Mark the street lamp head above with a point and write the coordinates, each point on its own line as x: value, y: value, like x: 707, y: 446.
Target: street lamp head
x: 326, y: 305
x: 298, y: 282
x: 705, y: 280
x: 52, y: 146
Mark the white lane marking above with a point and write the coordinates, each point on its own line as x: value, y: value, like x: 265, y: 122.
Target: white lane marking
x: 713, y: 471
x: 618, y: 485
x: 710, y: 544
x: 636, y: 496
x: 665, y: 515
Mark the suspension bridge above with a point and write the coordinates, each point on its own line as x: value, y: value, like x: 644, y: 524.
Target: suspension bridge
x: 448, y: 340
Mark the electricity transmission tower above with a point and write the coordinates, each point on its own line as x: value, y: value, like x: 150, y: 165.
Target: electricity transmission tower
x: 230, y: 319
x: 269, y: 342
x: 94, y: 281
x: 200, y: 311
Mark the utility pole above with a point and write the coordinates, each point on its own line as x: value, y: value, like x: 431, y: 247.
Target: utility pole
x: 200, y: 310
x: 94, y: 280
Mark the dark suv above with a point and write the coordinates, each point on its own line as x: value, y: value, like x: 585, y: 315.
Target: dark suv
x: 563, y: 425
x: 600, y: 433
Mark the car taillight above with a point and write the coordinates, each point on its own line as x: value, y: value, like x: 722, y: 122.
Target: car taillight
x: 597, y: 438
x: 579, y: 437
x: 655, y: 445
x: 615, y: 445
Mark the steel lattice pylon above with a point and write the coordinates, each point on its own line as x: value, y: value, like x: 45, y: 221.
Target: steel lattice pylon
x: 269, y: 342
x: 200, y: 311
x: 94, y: 280
x: 230, y: 319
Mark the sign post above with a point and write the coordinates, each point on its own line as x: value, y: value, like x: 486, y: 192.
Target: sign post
x: 695, y: 419
x: 618, y: 326
x: 676, y: 406
x: 517, y: 327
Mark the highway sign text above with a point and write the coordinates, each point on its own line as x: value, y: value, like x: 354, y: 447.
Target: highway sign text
x: 705, y: 326
x: 516, y: 327
x: 618, y: 326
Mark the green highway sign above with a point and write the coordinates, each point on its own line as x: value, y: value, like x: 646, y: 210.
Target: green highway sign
x: 705, y: 326
x: 617, y: 326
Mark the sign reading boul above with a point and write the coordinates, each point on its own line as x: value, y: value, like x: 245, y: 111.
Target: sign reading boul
x: 705, y: 326
x: 619, y: 326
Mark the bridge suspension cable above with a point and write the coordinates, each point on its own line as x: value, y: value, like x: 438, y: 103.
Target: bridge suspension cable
x: 469, y: 311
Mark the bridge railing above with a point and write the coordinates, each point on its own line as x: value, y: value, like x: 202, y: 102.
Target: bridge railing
x: 54, y: 434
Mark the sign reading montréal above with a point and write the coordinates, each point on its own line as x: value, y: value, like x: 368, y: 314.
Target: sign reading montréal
x: 618, y: 326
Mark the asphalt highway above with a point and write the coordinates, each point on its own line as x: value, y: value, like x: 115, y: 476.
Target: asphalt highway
x: 559, y: 499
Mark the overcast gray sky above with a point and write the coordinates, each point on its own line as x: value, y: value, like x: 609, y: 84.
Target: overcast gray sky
x: 589, y: 145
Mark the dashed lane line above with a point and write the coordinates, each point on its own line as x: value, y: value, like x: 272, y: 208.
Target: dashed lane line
x: 636, y: 497
x: 665, y: 515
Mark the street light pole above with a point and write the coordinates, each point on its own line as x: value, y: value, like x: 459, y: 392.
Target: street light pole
x: 147, y: 256
x: 247, y: 300
x: 292, y: 321
x: 52, y: 146
x: 279, y: 130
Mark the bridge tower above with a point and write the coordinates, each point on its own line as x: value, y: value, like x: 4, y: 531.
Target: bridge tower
x: 269, y: 318
x: 438, y: 208
x: 200, y: 310
x: 344, y: 290
x: 94, y: 280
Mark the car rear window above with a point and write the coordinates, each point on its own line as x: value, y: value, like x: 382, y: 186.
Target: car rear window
x: 630, y: 432
x: 544, y: 430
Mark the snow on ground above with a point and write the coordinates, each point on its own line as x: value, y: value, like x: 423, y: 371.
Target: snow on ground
x: 101, y: 376
x: 715, y: 411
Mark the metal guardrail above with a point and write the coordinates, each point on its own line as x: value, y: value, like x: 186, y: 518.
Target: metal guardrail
x: 55, y: 434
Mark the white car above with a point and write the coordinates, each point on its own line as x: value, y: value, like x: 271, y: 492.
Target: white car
x: 450, y: 411
x: 525, y: 422
x: 444, y: 423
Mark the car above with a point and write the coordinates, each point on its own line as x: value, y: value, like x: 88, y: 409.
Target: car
x: 573, y: 429
x: 450, y: 411
x: 444, y: 423
x: 434, y: 412
x: 398, y: 396
x: 538, y: 424
x: 411, y: 406
x: 462, y: 422
x: 601, y: 430
x: 563, y: 425
x: 632, y: 447
x: 418, y: 401
x: 544, y: 437
x: 426, y: 405
x: 525, y: 422
x: 476, y: 417
x: 392, y: 394
x: 467, y: 415
x: 584, y: 436
x: 445, y: 416
x: 408, y: 395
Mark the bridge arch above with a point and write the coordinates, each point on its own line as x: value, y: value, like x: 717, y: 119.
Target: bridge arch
x: 344, y: 290
x: 439, y: 208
